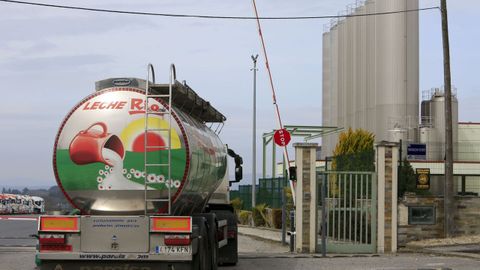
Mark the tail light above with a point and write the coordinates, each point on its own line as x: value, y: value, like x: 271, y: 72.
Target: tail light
x: 177, y: 240
x: 171, y: 224
x: 53, y: 242
x: 55, y: 248
x: 51, y: 230
x: 46, y: 239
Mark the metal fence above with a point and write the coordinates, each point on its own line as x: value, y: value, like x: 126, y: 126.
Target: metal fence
x: 349, y: 211
x: 269, y: 191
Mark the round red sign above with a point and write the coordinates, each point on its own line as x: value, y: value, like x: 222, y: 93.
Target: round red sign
x: 282, y: 137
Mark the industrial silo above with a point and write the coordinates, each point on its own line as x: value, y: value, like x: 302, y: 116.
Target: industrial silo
x: 327, y: 90
x: 326, y: 85
x: 438, y: 118
x: 376, y: 80
x: 361, y: 68
x: 370, y: 65
x: 341, y: 74
x: 349, y: 70
x: 432, y: 132
x: 427, y: 138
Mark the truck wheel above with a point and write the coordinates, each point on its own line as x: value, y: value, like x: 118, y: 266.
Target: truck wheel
x: 228, y: 255
x: 212, y: 230
x: 200, y: 261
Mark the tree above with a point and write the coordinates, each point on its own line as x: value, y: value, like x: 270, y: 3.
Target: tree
x: 354, y: 151
x: 407, y: 180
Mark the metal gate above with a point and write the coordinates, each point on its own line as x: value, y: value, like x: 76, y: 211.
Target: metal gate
x: 347, y: 211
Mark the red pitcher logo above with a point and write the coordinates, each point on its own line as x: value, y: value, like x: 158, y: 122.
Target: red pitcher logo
x: 88, y: 144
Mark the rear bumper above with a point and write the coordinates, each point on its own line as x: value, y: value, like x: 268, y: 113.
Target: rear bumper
x: 112, y: 265
x: 138, y: 257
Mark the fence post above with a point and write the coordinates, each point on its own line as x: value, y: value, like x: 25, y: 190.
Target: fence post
x: 292, y: 231
x: 284, y: 218
x: 323, y: 192
x: 306, y: 198
x: 387, y: 188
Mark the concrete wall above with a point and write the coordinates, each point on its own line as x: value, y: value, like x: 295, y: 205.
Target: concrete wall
x: 406, y: 232
x: 467, y: 218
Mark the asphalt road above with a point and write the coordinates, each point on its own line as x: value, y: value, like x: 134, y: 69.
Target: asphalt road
x: 18, y: 253
x: 16, y: 230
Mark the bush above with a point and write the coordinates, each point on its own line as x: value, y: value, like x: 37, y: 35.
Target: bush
x: 354, y: 151
x: 407, y: 180
x: 244, y: 217
x: 289, y: 204
x: 259, y: 215
x: 277, y: 218
x: 237, y: 204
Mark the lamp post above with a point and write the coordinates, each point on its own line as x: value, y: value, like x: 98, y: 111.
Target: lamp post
x: 254, y: 131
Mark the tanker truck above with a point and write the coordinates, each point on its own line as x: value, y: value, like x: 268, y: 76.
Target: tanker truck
x: 143, y: 165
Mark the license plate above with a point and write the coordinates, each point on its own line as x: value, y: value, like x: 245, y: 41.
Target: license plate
x: 173, y: 250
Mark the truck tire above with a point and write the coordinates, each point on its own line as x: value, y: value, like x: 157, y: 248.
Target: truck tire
x: 200, y: 261
x: 212, y: 240
x: 228, y: 255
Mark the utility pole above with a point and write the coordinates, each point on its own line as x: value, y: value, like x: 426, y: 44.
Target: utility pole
x: 254, y: 131
x: 449, y: 209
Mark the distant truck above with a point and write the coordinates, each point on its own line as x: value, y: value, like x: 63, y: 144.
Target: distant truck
x: 149, y: 179
x: 21, y: 204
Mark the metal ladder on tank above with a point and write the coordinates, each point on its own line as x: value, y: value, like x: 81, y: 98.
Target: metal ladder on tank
x: 166, y: 112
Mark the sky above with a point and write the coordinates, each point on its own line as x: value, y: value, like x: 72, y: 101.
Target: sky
x: 51, y: 58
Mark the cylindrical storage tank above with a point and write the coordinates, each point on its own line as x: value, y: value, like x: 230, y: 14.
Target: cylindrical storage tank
x: 341, y: 104
x: 99, y: 156
x: 349, y: 72
x: 333, y: 103
x: 370, y: 66
x: 361, y: 80
x: 426, y: 114
x: 427, y: 137
x: 412, y: 58
x: 391, y: 67
x: 438, y: 115
x: 397, y: 134
x: 326, y: 88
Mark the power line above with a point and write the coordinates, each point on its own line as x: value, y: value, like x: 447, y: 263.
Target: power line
x: 197, y: 16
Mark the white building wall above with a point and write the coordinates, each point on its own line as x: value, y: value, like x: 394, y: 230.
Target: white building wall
x: 468, y: 146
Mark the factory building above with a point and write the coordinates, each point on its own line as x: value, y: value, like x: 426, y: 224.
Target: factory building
x: 371, y: 81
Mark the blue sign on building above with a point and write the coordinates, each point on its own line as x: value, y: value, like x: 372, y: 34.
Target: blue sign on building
x: 417, y: 151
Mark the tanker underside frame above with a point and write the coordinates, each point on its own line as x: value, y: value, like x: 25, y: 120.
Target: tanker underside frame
x: 102, y: 242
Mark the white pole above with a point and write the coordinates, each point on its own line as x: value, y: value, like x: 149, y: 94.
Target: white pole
x: 254, y: 131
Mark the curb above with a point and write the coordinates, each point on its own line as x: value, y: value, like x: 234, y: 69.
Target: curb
x: 302, y: 256
x: 441, y: 253
x: 16, y: 249
x: 261, y: 238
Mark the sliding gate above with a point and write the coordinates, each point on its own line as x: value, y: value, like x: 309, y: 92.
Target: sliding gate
x: 348, y: 211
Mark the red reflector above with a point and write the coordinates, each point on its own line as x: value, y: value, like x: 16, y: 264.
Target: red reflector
x: 51, y: 239
x: 177, y: 240
x: 55, y: 248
